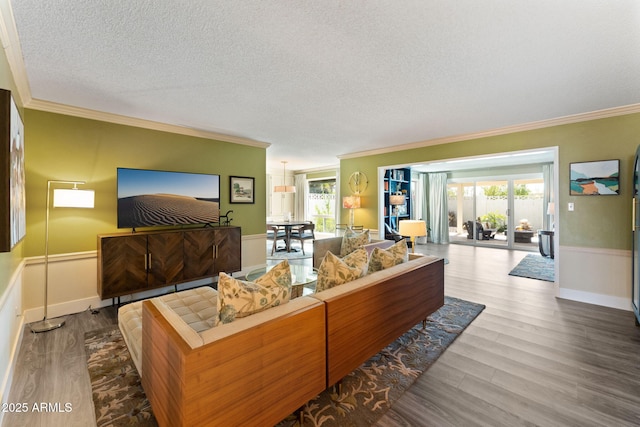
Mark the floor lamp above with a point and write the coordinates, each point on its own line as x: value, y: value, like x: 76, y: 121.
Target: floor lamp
x: 62, y: 198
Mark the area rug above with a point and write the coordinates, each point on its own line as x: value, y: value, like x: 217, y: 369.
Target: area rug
x: 366, y: 394
x: 118, y: 397
x: 295, y: 254
x: 535, y: 267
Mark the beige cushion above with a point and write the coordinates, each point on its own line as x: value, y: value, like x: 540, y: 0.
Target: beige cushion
x: 197, y: 307
x: 385, y: 258
x: 239, y: 298
x: 335, y: 271
x: 352, y: 241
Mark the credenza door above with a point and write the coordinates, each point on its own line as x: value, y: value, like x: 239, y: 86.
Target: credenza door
x: 123, y: 265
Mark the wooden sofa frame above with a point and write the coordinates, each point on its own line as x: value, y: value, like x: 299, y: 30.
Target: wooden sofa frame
x: 255, y: 375
x: 366, y: 315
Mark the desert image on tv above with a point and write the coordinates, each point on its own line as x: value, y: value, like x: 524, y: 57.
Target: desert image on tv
x: 148, y: 198
x: 165, y: 209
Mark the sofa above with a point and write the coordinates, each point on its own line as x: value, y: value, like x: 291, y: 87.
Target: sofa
x: 378, y: 307
x: 259, y: 369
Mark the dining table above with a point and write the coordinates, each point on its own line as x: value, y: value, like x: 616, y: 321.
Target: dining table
x: 287, y: 226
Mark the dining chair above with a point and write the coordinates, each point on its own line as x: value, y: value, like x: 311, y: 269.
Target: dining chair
x: 275, y: 234
x: 302, y: 233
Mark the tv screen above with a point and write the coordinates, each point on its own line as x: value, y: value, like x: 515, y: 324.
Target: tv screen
x: 149, y: 198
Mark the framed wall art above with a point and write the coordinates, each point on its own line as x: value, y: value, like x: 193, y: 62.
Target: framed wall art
x: 13, y: 224
x: 598, y: 178
x: 241, y: 189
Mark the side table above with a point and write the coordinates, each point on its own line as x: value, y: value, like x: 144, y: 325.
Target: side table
x: 545, y: 235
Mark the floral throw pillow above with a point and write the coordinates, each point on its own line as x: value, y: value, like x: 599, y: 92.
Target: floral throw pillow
x: 239, y: 298
x: 385, y: 258
x: 334, y: 271
x: 352, y: 241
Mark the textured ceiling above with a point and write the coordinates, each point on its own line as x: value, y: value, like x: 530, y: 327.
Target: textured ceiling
x: 327, y: 78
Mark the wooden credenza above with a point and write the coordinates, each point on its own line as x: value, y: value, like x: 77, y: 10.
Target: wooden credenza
x: 136, y: 262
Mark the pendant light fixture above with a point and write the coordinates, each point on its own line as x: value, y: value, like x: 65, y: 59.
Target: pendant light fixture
x: 284, y: 188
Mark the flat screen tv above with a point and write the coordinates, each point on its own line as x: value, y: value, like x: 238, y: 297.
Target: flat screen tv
x: 150, y: 198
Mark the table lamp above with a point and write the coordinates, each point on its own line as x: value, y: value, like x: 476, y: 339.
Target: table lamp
x: 412, y: 228
x: 396, y: 200
x: 351, y: 202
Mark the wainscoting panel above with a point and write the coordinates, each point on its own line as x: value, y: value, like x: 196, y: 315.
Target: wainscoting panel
x: 595, y: 276
x: 12, y: 322
x: 73, y: 281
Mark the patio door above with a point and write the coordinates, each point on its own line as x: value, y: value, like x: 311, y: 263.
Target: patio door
x: 503, y: 212
x: 492, y: 212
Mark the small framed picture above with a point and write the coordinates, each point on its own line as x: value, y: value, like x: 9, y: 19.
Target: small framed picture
x: 599, y: 178
x: 241, y: 189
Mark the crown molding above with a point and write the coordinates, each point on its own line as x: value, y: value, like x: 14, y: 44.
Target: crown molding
x: 575, y: 118
x: 329, y: 168
x: 13, y: 51
x: 11, y: 45
x: 52, y: 107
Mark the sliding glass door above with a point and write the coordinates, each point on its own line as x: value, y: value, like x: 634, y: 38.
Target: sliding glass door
x: 505, y: 212
x: 491, y: 209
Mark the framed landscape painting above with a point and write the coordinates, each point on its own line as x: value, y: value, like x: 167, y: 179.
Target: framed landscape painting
x: 241, y: 189
x: 13, y: 224
x: 599, y: 178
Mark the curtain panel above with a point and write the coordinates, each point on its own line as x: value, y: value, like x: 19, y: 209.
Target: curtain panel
x: 438, y: 219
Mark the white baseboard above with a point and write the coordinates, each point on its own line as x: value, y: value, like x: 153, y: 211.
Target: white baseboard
x: 593, y: 298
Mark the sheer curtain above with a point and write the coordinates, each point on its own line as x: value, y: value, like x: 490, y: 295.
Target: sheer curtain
x: 438, y: 208
x: 547, y: 174
x: 300, y: 200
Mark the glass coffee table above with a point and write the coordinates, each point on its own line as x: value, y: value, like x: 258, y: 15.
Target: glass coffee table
x: 303, y: 278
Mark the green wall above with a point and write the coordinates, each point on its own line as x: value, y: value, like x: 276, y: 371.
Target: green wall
x: 61, y: 147
x: 9, y: 261
x: 598, y: 221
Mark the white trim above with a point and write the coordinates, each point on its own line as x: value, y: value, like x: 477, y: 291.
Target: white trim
x: 593, y: 298
x: 14, y: 277
x: 575, y: 118
x: 599, y: 251
x: 52, y: 107
x: 14, y: 331
x: 11, y: 45
x: 71, y: 256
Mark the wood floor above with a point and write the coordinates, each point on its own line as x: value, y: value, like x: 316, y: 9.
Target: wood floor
x: 528, y: 359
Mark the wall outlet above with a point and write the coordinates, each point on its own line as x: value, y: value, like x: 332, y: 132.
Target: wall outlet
x: 570, y: 207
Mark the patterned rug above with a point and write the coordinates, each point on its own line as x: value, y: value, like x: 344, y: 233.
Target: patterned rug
x: 366, y: 394
x: 535, y: 267
x: 115, y: 384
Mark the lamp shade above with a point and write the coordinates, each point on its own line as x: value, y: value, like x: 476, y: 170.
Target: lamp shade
x: 284, y: 189
x: 351, y: 202
x: 397, y: 199
x: 551, y: 208
x: 413, y: 228
x: 73, y: 198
